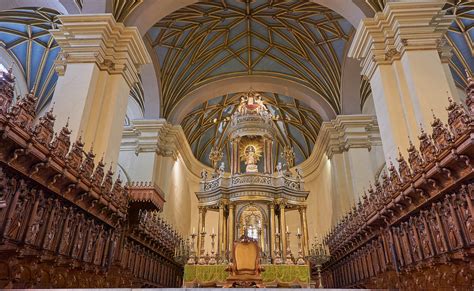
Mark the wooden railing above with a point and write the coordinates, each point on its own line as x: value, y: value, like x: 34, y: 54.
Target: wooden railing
x: 415, y: 229
x: 64, y: 221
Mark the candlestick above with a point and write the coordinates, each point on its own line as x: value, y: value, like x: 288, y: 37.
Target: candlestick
x: 212, y: 258
x: 202, y: 259
x: 318, y: 255
x: 300, y: 260
x: 192, y: 257
x: 289, y: 257
x: 278, y: 260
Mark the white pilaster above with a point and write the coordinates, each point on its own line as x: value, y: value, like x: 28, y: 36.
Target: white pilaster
x: 400, y: 49
x: 99, y: 63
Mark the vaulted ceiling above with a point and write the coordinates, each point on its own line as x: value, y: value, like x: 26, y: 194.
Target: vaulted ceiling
x: 206, y: 126
x: 295, y: 40
x: 24, y: 34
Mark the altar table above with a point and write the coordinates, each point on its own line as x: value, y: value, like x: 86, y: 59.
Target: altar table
x: 273, y: 276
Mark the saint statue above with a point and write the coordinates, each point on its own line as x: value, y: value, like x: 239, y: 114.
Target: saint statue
x: 251, y: 160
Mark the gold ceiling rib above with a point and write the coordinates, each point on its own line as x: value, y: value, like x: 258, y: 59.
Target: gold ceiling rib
x: 200, y: 43
x: 123, y: 8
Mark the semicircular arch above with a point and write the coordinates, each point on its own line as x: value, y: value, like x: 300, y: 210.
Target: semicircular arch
x: 254, y: 82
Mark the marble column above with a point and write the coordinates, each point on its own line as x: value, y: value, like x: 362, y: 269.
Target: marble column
x: 98, y: 65
x: 400, y: 49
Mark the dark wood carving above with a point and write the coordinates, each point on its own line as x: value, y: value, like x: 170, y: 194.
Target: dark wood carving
x: 416, y: 230
x: 64, y: 222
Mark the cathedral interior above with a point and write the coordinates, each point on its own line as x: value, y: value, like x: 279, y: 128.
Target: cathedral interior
x: 237, y: 143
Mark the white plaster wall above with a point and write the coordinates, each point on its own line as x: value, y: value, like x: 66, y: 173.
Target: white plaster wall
x: 179, y: 187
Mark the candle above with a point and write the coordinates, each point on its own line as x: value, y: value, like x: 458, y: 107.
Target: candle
x: 194, y: 230
x: 298, y: 230
x: 213, y: 230
x: 277, y: 229
x: 287, y: 228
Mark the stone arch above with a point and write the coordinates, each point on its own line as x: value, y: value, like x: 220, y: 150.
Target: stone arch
x: 350, y: 83
x: 257, y: 83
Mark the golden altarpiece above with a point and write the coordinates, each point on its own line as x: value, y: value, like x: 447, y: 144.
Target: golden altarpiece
x: 253, y: 199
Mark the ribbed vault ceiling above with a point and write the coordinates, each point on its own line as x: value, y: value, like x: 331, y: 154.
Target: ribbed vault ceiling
x: 206, y: 126
x: 296, y: 40
x: 24, y: 34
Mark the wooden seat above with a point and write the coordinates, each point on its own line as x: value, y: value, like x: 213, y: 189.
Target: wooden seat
x: 245, y: 269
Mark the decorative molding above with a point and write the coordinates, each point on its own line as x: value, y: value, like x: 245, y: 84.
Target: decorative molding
x: 401, y: 26
x: 336, y: 136
x: 98, y: 38
x: 163, y: 138
x: 340, y: 135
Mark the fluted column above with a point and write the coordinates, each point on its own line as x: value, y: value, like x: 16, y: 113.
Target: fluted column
x: 97, y: 67
x: 282, y: 205
x: 399, y: 50
x: 272, y: 231
x: 231, y: 227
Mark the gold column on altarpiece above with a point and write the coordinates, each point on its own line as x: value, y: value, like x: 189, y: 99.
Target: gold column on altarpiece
x: 282, y: 205
x: 221, y: 246
x: 304, y: 227
x: 272, y: 231
x: 231, y: 228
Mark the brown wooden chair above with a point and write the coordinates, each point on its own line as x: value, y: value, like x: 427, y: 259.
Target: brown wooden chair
x: 245, y: 269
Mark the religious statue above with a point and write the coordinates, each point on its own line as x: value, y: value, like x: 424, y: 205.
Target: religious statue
x: 279, y: 169
x: 251, y: 160
x: 221, y: 169
x: 289, y: 156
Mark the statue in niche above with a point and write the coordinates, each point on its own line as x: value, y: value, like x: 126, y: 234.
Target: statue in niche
x: 251, y: 160
x: 250, y: 153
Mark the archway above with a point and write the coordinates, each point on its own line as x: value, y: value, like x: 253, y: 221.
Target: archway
x: 257, y: 83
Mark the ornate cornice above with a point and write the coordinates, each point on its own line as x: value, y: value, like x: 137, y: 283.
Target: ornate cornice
x: 336, y: 136
x: 98, y: 38
x: 340, y: 135
x: 163, y: 138
x: 400, y: 27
